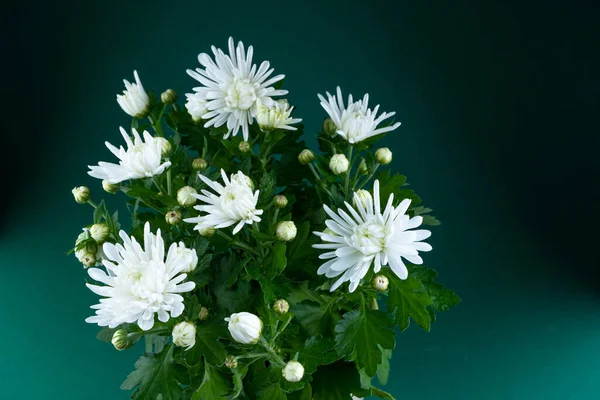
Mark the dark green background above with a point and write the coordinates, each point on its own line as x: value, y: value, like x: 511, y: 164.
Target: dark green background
x: 499, y: 105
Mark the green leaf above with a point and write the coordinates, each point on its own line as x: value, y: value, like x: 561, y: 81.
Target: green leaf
x: 154, y: 376
x: 276, y: 260
x: 441, y: 297
x: 408, y: 298
x: 238, y: 380
x: 360, y: 335
x: 383, y: 370
x: 214, y: 386
x: 271, y: 392
x: 207, y: 342
x: 336, y: 382
x: 106, y: 334
x: 304, y: 394
x: 317, y: 351
x: 155, y: 343
x: 430, y: 220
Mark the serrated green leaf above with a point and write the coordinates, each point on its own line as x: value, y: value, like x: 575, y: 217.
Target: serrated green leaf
x: 271, y: 392
x: 208, y: 344
x: 238, y: 380
x: 408, y: 298
x: 441, y: 297
x: 153, y: 377
x: 383, y: 370
x: 359, y: 335
x: 430, y: 220
x: 336, y: 382
x: 214, y: 385
x: 106, y: 334
x: 317, y: 351
x: 276, y: 260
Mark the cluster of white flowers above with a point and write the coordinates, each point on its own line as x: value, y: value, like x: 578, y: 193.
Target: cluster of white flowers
x: 370, y: 237
x: 139, y: 282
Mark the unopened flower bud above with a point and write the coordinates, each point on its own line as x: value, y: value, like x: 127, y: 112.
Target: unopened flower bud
x: 244, y: 146
x: 81, y: 194
x: 184, y: 335
x: 244, y: 327
x: 280, y: 201
x: 207, y: 232
x: 242, y: 179
x: 293, y: 371
x: 134, y: 100
x: 231, y: 362
x: 339, y: 164
x: 286, y: 231
x: 306, y: 156
x: 199, y: 164
x: 329, y: 127
x: 203, y: 314
x: 362, y: 167
x: 169, y: 96
x: 364, y: 197
x: 281, y: 306
x: 380, y: 283
x: 121, y: 340
x: 173, y: 217
x: 111, y: 188
x: 88, y: 260
x: 165, y: 146
x: 185, y: 196
x: 383, y: 156
x: 99, y: 232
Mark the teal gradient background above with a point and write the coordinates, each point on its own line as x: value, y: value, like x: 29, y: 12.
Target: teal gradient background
x: 498, y: 103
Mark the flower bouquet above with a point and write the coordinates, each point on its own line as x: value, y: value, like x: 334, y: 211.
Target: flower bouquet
x: 253, y: 267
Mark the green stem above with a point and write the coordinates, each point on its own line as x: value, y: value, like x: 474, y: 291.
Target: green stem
x: 237, y: 242
x: 272, y: 352
x: 374, y: 305
x: 347, y: 184
x: 256, y: 355
x: 91, y: 203
x: 368, y: 178
x: 312, y: 168
x: 151, y: 331
x: 169, y: 185
x: 155, y: 181
x: 280, y: 331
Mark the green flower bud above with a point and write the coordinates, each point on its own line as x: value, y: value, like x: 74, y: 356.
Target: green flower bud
x: 169, y: 96
x: 329, y: 127
x: 380, y: 283
x: 99, y: 232
x: 165, y: 146
x: 203, y: 314
x: 244, y: 146
x: 383, y: 156
x: 111, y: 188
x: 199, y: 164
x: 339, y: 164
x: 81, y: 194
x: 281, y: 306
x: 231, y: 362
x: 173, y: 217
x: 88, y: 260
x: 280, y: 201
x: 306, y: 156
x: 293, y: 371
x: 362, y: 167
x: 185, y: 196
x: 121, y: 340
x: 286, y: 231
x: 207, y: 232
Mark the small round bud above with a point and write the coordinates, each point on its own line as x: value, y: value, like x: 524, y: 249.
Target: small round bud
x: 173, y: 217
x: 339, y: 164
x: 184, y: 335
x: 203, y: 314
x: 121, y: 340
x: 231, y: 362
x: 329, y: 127
x: 81, y: 194
x: 293, y: 371
x: 242, y: 179
x: 111, y: 188
x: 88, y: 260
x: 306, y: 156
x: 362, y: 167
x: 99, y: 232
x: 286, y: 231
x: 165, y: 146
x: 199, y: 164
x: 244, y: 327
x: 383, y: 156
x: 207, y: 232
x: 281, y: 306
x: 185, y: 196
x: 169, y: 96
x: 364, y: 197
x: 380, y: 283
x: 280, y: 201
x: 244, y: 146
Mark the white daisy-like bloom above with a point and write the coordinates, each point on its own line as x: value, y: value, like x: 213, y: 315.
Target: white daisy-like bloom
x: 231, y: 87
x: 142, y: 159
x: 370, y: 237
x: 233, y: 204
x: 276, y: 117
x: 134, y: 100
x: 357, y: 121
x: 139, y: 283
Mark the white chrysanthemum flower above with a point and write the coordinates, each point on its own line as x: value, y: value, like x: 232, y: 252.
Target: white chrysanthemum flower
x: 276, y: 117
x: 356, y: 122
x: 370, y: 236
x: 142, y: 159
x: 231, y: 87
x: 196, y: 105
x: 139, y: 283
x: 234, y: 203
x: 244, y: 327
x: 134, y: 100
